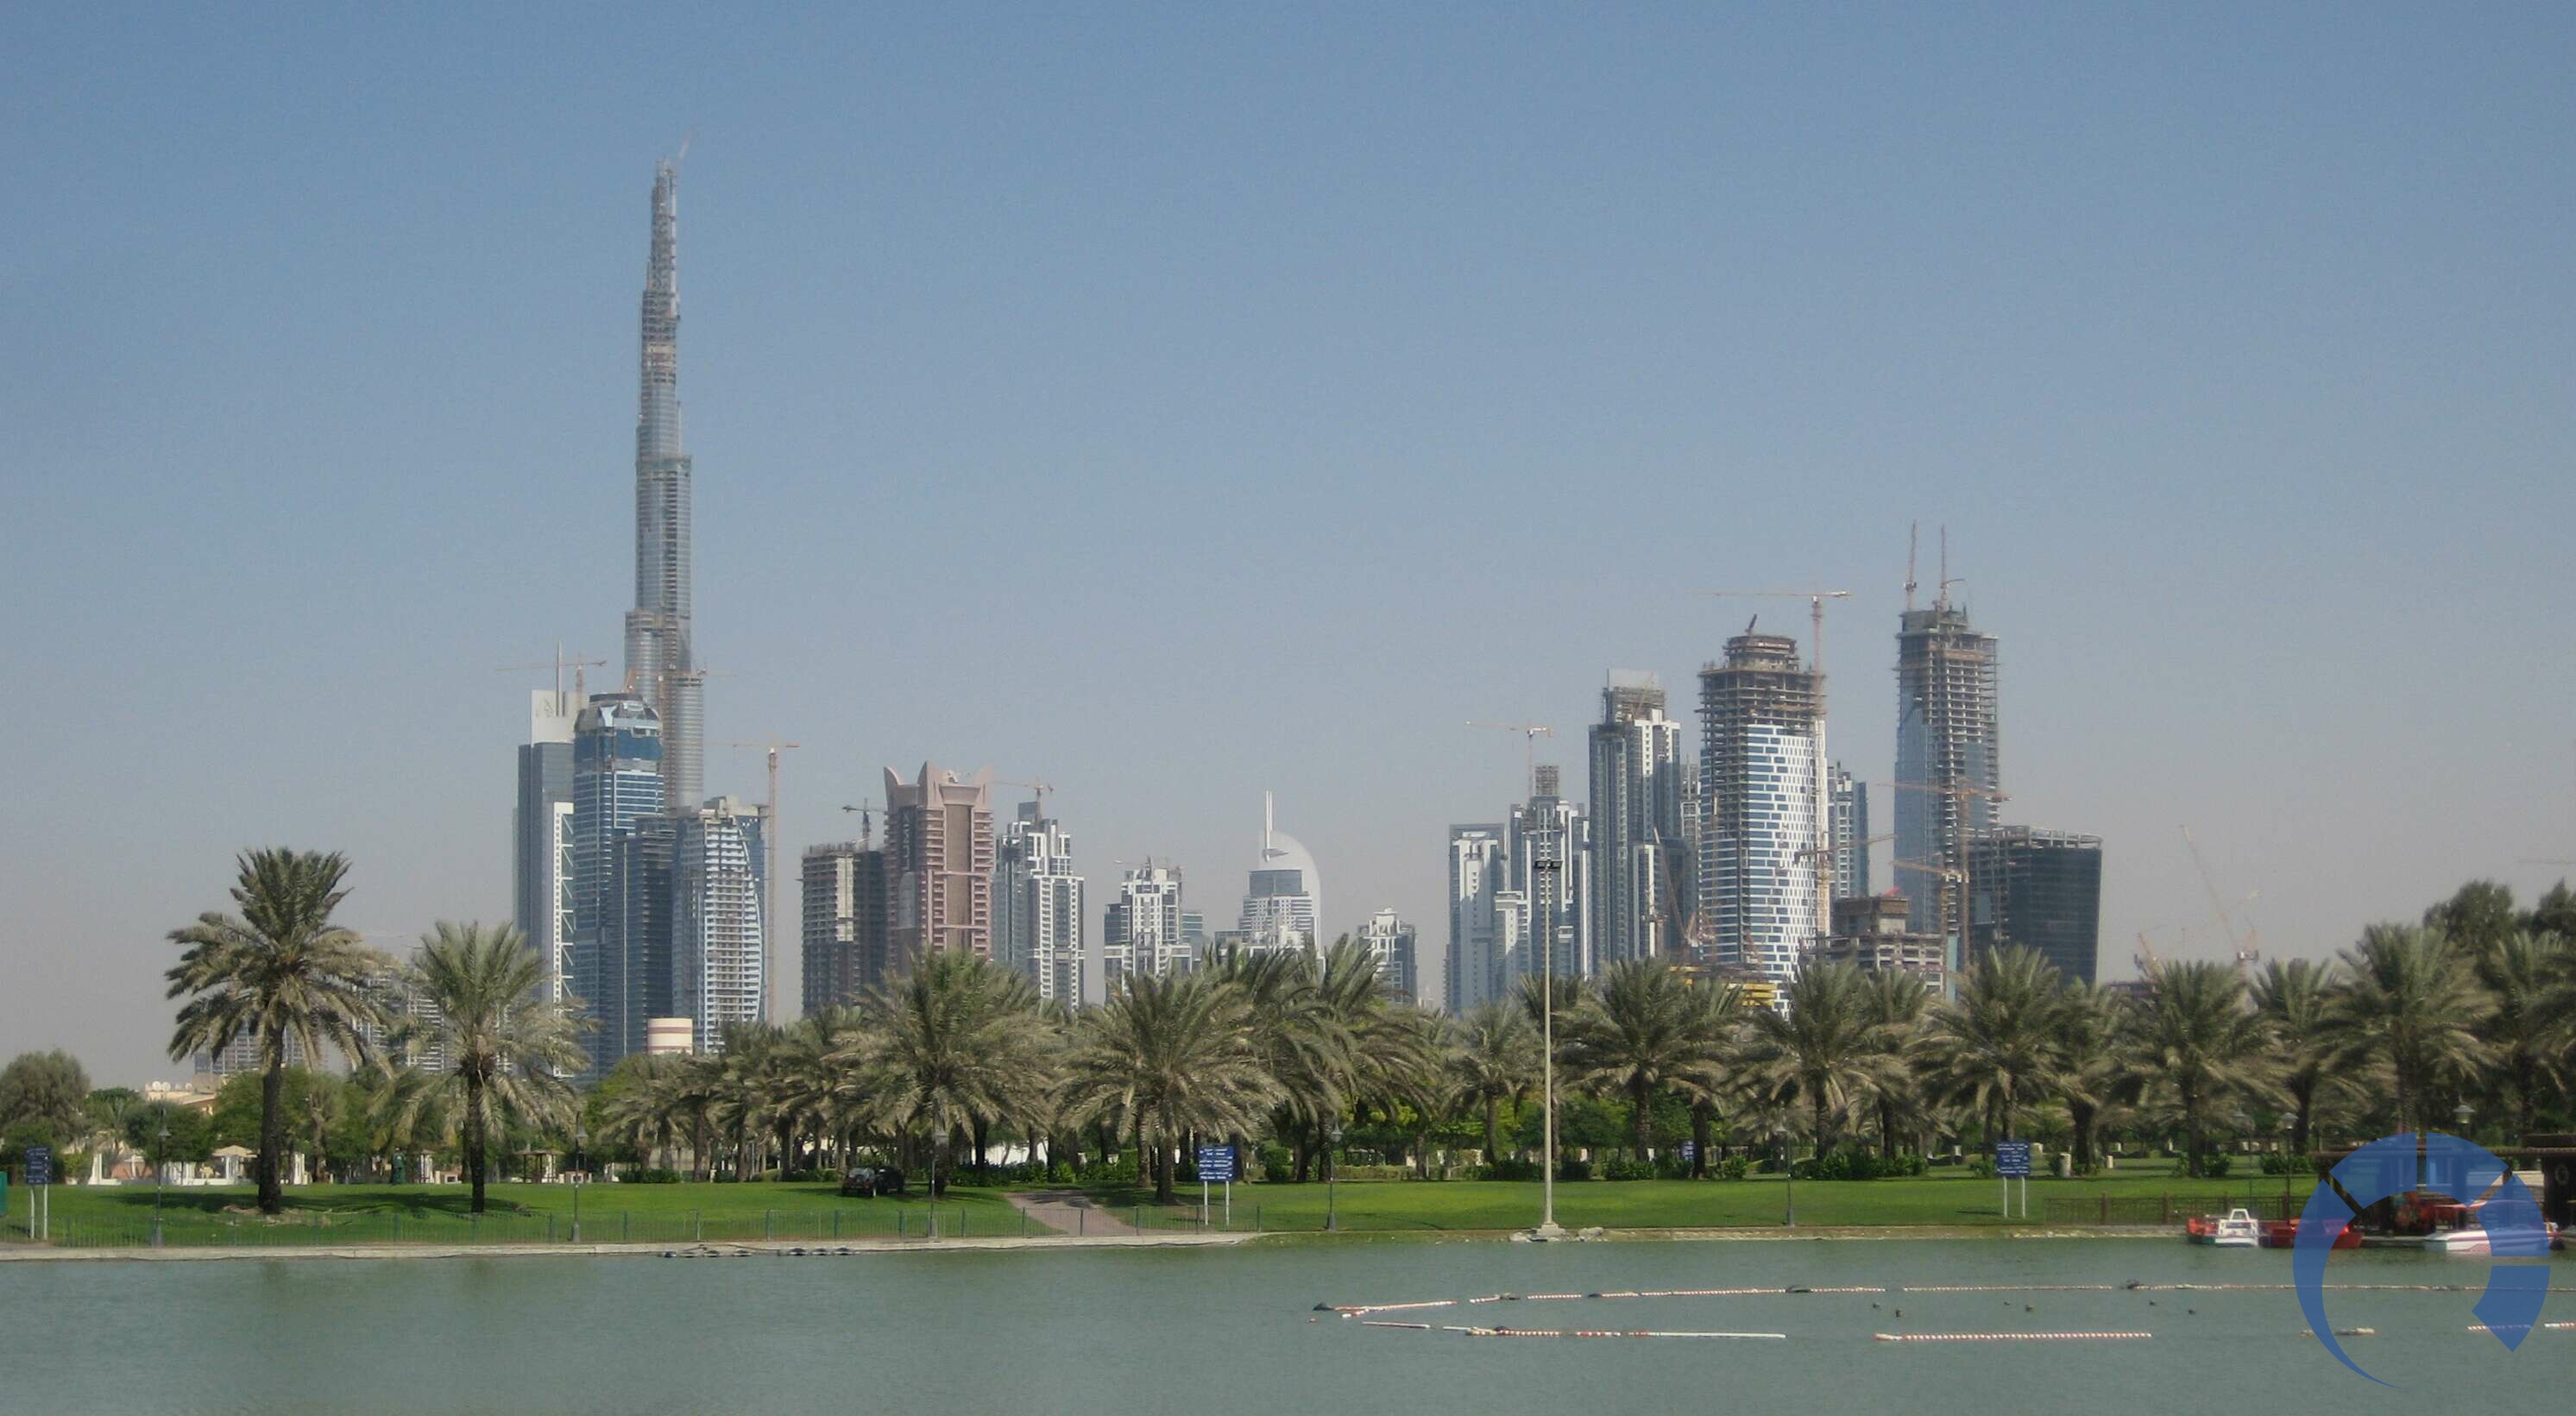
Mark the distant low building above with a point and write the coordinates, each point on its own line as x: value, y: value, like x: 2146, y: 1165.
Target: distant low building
x: 1870, y: 933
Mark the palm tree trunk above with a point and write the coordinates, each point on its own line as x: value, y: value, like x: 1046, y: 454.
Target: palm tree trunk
x: 983, y: 1169
x: 1699, y: 1140
x: 1493, y: 1129
x: 474, y: 1135
x: 1819, y: 1108
x: 2192, y: 1131
x: 1641, y: 1123
x: 272, y: 1133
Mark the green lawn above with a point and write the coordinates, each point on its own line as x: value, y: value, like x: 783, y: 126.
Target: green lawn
x: 121, y: 1215
x: 1954, y: 1199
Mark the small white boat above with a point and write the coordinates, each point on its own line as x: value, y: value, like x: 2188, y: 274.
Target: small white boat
x: 2469, y: 1236
x: 2238, y: 1231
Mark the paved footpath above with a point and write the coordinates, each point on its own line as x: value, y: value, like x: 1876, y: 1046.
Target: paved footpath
x: 1070, y: 1212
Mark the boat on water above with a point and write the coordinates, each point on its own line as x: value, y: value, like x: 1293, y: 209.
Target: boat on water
x: 2239, y: 1230
x: 2284, y: 1234
x: 2459, y: 1230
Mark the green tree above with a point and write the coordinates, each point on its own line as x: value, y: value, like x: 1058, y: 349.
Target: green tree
x: 281, y: 974
x: 165, y: 1133
x: 2296, y: 1000
x: 941, y: 1050
x: 2554, y: 913
x: 2199, y: 1042
x: 1646, y: 1031
x: 1178, y: 1056
x: 1994, y: 1049
x: 104, y: 1114
x: 506, y: 1047
x: 1899, y: 1005
x: 1828, y: 1052
x: 2477, y: 919
x: 2526, y: 979
x: 2093, y: 1070
x: 49, y: 1089
x: 1494, y: 1059
x: 2411, y: 1014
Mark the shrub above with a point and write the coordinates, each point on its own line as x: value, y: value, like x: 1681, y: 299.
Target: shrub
x: 647, y: 1175
x: 1733, y: 1167
x: 2216, y: 1164
x: 2277, y: 1163
x: 1570, y: 1168
x: 1620, y: 1167
x: 1277, y: 1165
x: 1508, y: 1168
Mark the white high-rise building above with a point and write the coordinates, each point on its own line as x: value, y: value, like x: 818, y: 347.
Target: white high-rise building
x: 1850, y: 798
x: 1768, y: 859
x: 1390, y: 942
x: 1037, y: 904
x: 541, y: 854
x: 1283, y: 905
x: 1488, y: 920
x: 1637, y: 841
x: 1551, y: 866
x: 719, y: 947
x: 1141, y: 931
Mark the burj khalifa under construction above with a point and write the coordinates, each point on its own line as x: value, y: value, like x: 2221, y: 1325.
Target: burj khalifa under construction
x: 659, y: 662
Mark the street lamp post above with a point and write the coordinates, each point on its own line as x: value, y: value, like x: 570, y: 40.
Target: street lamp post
x: 160, y: 1173
x: 1789, y: 1164
x: 1332, y: 1176
x: 2461, y: 1114
x: 575, y: 1178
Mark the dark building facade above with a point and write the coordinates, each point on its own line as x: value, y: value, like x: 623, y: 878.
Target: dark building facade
x: 2041, y: 890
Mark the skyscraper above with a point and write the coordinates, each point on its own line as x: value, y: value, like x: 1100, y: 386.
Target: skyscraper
x: 541, y: 851
x: 631, y: 977
x: 1636, y: 823
x: 847, y: 909
x: 939, y: 846
x: 1141, y: 931
x: 1390, y: 942
x: 1551, y: 867
x: 1486, y: 923
x: 2040, y: 890
x: 1948, y: 772
x: 719, y: 925
x: 661, y: 663
x: 1037, y: 904
x: 1283, y: 902
x: 1850, y: 803
x: 1762, y: 745
x: 616, y: 783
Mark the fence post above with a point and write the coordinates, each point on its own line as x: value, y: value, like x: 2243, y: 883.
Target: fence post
x: 473, y: 1227
x: 836, y: 1224
x: 1140, y: 1219
x: 1256, y: 1219
x: 397, y: 1226
x: 550, y: 1229
x: 2164, y: 1208
x: 700, y: 1218
x: 1082, y: 1221
x: 625, y: 1228
x: 1024, y: 1224
x: 769, y: 1224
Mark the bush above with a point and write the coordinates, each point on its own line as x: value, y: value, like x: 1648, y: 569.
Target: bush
x: 1278, y: 1167
x: 1508, y: 1168
x: 2276, y: 1163
x: 648, y: 1176
x: 1733, y: 1167
x: 2216, y: 1164
x: 1620, y: 1167
x: 1571, y: 1169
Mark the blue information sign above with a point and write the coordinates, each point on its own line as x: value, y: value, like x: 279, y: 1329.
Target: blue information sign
x: 1216, y: 1163
x: 40, y: 1165
x: 2012, y: 1159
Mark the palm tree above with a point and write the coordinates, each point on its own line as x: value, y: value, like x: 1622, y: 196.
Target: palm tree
x: 939, y: 1053
x: 2296, y: 999
x: 1494, y: 1060
x: 2524, y: 979
x: 1994, y: 1050
x: 640, y: 1109
x: 1175, y: 1056
x: 1303, y: 1045
x: 505, y: 1045
x: 1645, y: 1032
x: 1828, y: 1052
x: 1899, y: 1003
x: 1391, y: 1061
x: 2412, y: 1013
x: 2199, y: 1042
x: 2093, y: 1072
x: 282, y: 975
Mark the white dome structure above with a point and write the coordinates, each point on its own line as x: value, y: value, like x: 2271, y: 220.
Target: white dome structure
x: 1283, y: 904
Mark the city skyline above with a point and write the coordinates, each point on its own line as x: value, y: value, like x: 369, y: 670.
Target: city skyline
x: 2237, y: 457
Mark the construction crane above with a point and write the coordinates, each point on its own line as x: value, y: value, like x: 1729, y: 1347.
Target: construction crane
x: 1530, y: 734
x: 1954, y: 879
x: 1038, y: 786
x: 2244, y: 950
x: 867, y: 831
x: 576, y: 663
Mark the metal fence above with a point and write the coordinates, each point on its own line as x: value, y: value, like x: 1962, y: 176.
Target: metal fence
x: 196, y: 1229
x: 2165, y: 1209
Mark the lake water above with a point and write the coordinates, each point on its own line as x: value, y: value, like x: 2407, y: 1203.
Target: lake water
x: 1148, y: 1332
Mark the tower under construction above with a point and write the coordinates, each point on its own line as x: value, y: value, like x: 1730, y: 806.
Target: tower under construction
x: 1765, y: 855
x: 1948, y: 772
x: 660, y: 662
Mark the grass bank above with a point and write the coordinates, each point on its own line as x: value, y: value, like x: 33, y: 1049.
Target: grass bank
x: 121, y: 1216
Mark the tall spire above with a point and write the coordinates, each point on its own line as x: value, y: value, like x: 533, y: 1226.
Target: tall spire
x: 660, y: 663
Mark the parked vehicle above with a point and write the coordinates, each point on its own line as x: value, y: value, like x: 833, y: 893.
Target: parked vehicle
x: 866, y: 1180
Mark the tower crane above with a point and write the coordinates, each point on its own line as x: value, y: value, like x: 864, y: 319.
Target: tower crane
x: 576, y: 662
x: 2243, y: 949
x: 1039, y: 786
x: 1530, y: 734
x: 867, y: 831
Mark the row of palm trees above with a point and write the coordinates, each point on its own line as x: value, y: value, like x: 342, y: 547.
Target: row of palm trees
x: 1289, y: 1047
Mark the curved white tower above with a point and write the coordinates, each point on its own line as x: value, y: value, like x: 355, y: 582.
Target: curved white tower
x: 1283, y: 907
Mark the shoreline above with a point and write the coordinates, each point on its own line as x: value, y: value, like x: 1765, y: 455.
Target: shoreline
x: 46, y: 1253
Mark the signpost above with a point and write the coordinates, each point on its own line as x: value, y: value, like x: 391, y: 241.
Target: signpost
x: 40, y: 1173
x: 1216, y: 1163
x: 2012, y: 1161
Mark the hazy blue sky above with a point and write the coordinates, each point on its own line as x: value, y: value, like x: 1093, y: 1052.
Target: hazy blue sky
x: 1175, y: 405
